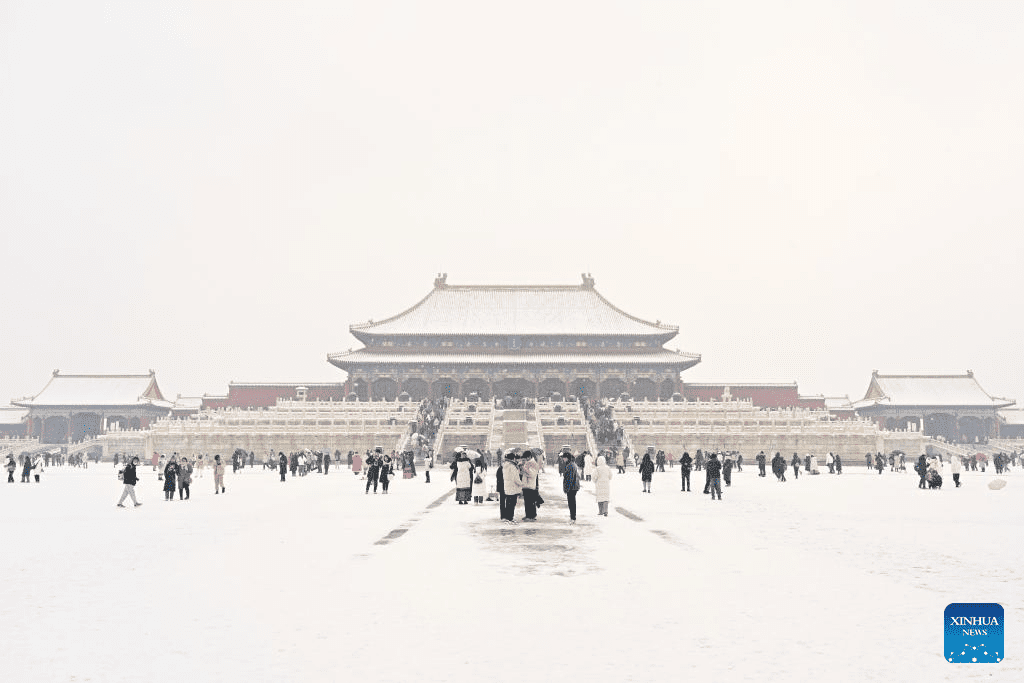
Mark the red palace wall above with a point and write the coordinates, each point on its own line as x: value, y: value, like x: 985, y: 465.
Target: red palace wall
x: 262, y: 396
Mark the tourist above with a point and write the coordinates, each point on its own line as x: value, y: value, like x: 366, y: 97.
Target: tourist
x: 327, y: 461
x: 234, y: 461
x: 479, y: 491
x: 714, y: 471
x: 218, y: 475
x: 879, y: 462
x: 37, y: 466
x: 513, y: 482
x: 355, y: 462
x: 646, y: 471
x: 727, y: 470
x: 739, y: 462
x: 428, y: 464
x: 685, y: 463
x: 954, y: 467
x: 282, y: 464
x: 922, y: 471
x: 838, y: 463
x: 11, y: 466
x: 386, y: 470
x: 830, y: 461
x: 698, y: 461
x: 570, y: 483
x: 373, y: 463
x: 462, y: 474
x: 867, y: 460
x: 602, y: 486
x: 184, y: 479
x: 499, y: 481
x: 779, y: 467
x: 170, y: 476
x: 761, y: 464
x: 620, y: 462
x: 131, y: 478
x: 807, y: 463
x: 201, y: 464
x: 155, y: 460
x: 795, y: 462
x: 530, y: 470
x: 659, y: 461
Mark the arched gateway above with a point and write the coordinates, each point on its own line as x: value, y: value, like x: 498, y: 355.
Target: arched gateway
x: 526, y: 341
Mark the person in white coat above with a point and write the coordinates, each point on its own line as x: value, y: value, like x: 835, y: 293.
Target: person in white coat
x: 37, y: 466
x: 954, y: 467
x: 602, y: 485
x: 479, y: 481
x: 588, y: 466
x: 513, y: 483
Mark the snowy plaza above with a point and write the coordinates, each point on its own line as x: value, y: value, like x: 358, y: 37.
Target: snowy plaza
x: 825, y: 578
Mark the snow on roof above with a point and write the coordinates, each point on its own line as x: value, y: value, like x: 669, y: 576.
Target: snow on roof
x: 661, y: 356
x: 188, y: 403
x: 928, y: 390
x: 98, y: 390
x: 838, y: 403
x: 514, y: 310
x: 12, y: 415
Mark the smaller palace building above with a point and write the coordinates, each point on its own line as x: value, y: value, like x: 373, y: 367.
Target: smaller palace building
x: 518, y: 341
x: 74, y: 407
x: 954, y: 407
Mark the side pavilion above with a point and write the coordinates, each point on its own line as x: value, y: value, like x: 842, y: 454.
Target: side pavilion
x: 73, y: 407
x: 954, y: 407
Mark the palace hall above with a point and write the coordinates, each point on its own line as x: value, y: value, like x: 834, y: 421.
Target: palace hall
x: 480, y: 342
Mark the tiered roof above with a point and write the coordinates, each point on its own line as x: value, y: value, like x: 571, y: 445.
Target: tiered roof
x: 98, y: 390
x: 510, y: 310
x: 658, y: 357
x: 928, y: 390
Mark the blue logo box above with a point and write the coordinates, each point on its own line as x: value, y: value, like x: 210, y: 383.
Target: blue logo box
x: 974, y: 633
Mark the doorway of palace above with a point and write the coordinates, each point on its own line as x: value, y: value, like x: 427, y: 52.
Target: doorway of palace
x: 581, y: 386
x: 612, y: 388
x: 941, y: 424
x: 55, y: 429
x: 85, y: 426
x: 644, y: 388
x: 385, y: 389
x: 416, y: 388
x: 668, y: 387
x: 445, y: 387
x: 551, y: 385
x: 973, y: 430
x: 478, y: 386
x: 514, y: 387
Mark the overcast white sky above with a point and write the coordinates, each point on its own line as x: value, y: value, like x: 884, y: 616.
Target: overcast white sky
x: 216, y: 190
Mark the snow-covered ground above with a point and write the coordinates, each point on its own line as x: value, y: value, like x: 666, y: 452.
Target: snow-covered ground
x: 827, y: 578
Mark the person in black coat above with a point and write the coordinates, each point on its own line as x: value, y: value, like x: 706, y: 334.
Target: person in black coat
x: 714, y: 471
x: 838, y: 463
x: 726, y: 472
x: 685, y: 465
x: 327, y: 461
x: 282, y: 464
x: 373, y: 464
x: 499, y: 483
x: 170, y: 478
x: 760, y: 464
x: 131, y: 478
x: 796, y: 466
x: 779, y: 467
x: 922, y: 471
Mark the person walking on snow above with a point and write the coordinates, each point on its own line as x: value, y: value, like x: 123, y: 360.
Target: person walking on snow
x: 685, y: 464
x: 714, y: 470
x: 570, y: 483
x: 602, y: 485
x: 954, y: 467
x: 218, y: 475
x: 646, y: 471
x: 513, y: 482
x: 170, y: 478
x: 130, y: 478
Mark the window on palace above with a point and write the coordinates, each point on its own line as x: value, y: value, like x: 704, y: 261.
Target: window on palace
x: 581, y: 343
x: 447, y: 343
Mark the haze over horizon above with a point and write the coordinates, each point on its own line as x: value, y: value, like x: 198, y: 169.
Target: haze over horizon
x: 217, y: 191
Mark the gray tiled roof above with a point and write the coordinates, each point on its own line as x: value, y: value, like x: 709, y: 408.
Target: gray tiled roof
x: 514, y: 310
x: 98, y: 390
x: 659, y: 357
x: 928, y: 390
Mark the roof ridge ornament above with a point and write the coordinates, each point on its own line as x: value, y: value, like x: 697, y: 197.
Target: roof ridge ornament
x: 441, y: 281
x: 588, y: 280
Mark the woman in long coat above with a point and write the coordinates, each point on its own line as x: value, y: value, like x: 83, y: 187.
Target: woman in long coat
x: 463, y: 478
x: 357, y: 463
x: 170, y: 478
x: 602, y: 485
x: 480, y: 488
x: 646, y: 472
